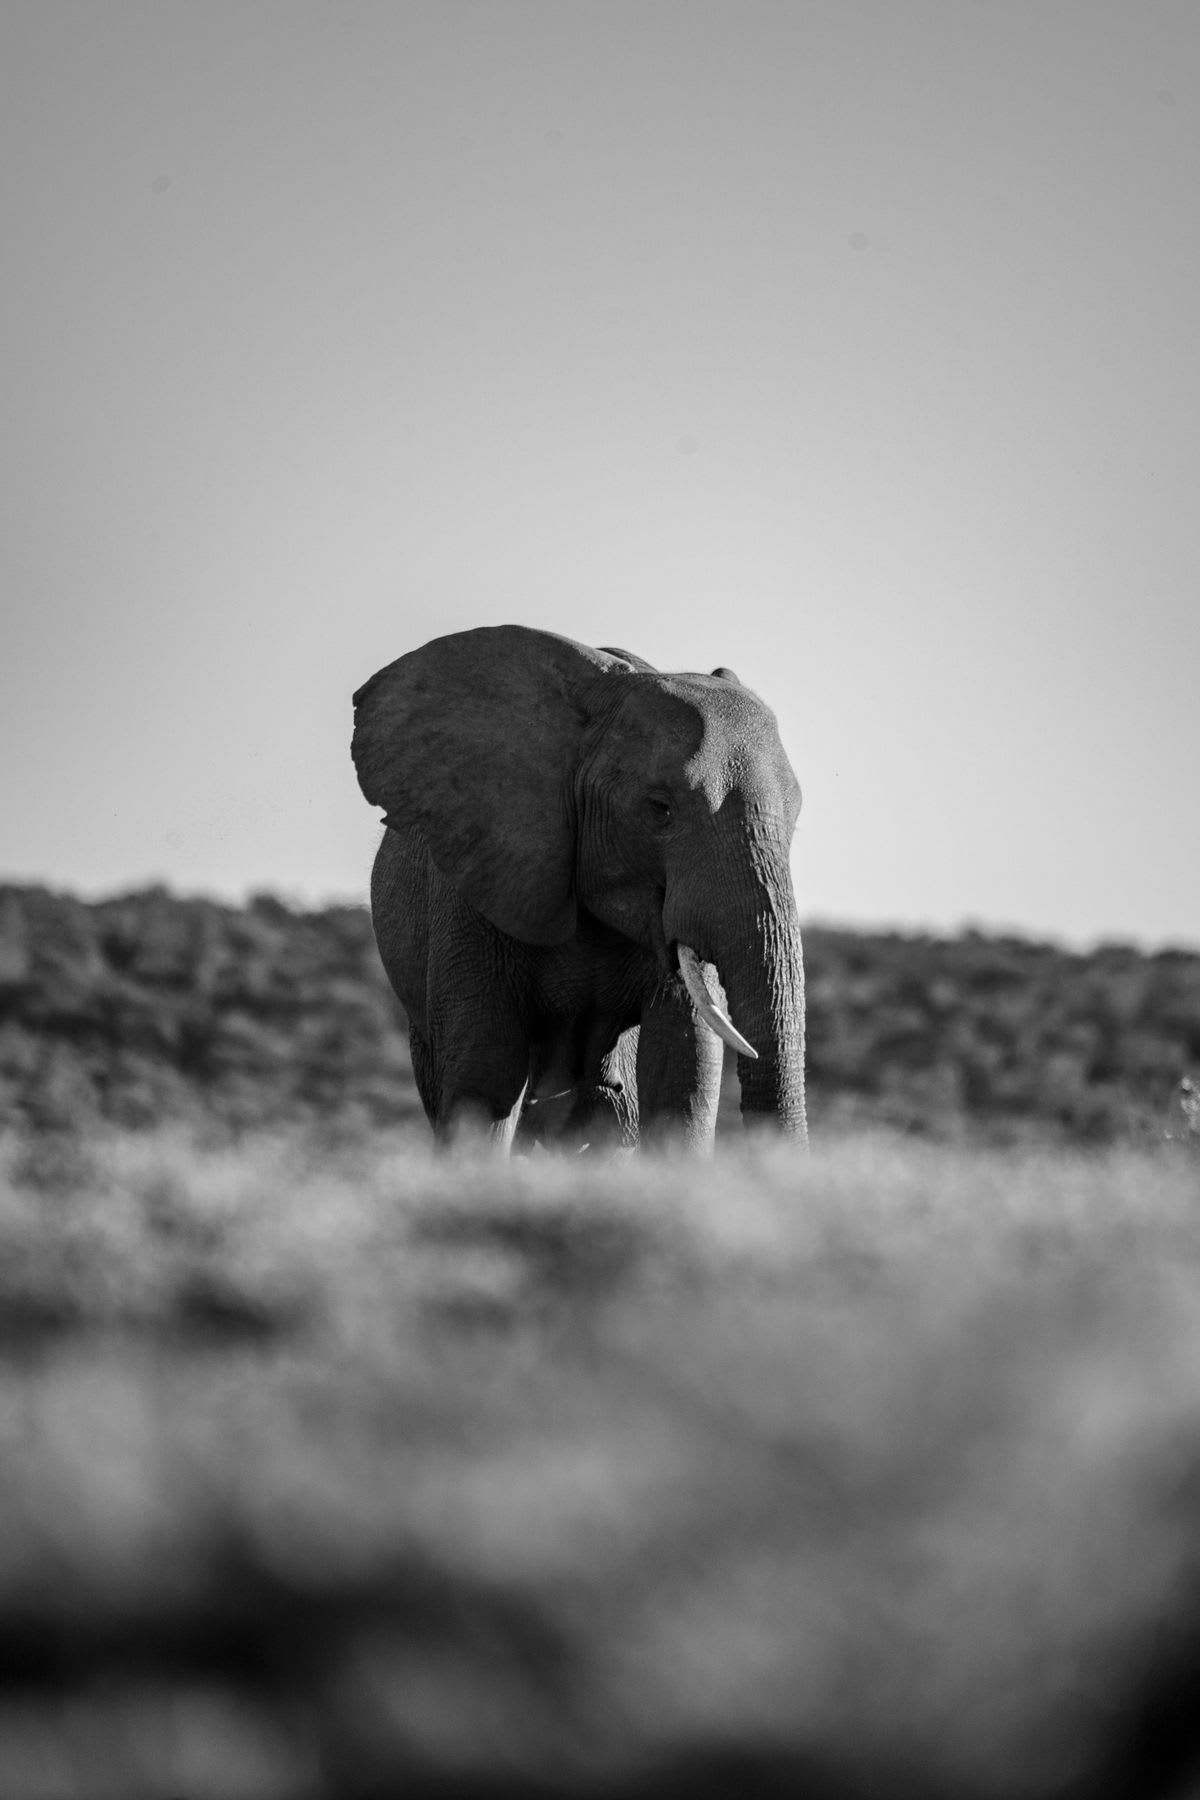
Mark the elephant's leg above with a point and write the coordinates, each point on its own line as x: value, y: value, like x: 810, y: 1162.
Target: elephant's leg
x: 423, y: 1071
x: 481, y: 1083
x: 613, y: 1116
x: 603, y: 1113
x: 679, y: 1063
x: 464, y: 1115
x: 476, y: 1021
x: 583, y: 1091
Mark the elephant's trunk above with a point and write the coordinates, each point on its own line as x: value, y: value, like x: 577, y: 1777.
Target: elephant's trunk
x: 765, y: 990
x: 754, y: 941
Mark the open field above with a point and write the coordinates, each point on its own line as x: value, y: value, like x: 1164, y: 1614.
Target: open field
x: 339, y: 1472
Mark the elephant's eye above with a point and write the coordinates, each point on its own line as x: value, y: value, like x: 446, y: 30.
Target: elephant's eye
x: 658, y: 811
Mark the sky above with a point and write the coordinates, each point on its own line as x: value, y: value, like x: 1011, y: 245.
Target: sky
x: 853, y: 345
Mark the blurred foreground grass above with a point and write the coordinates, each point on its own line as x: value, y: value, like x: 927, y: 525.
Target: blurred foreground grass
x: 335, y: 1473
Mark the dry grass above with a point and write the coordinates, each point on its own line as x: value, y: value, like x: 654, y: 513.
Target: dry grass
x: 338, y: 1473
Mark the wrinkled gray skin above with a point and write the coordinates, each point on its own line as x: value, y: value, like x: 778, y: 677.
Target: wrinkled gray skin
x: 559, y: 820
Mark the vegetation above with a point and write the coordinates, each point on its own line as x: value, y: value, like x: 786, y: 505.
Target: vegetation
x: 336, y: 1475
x: 1000, y: 1038
x: 333, y: 1471
x: 150, y: 1007
x: 147, y: 1008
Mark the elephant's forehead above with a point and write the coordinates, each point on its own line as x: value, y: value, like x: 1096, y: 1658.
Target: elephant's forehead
x: 716, y: 733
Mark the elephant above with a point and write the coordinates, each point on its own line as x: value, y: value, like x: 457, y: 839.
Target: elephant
x: 577, y: 848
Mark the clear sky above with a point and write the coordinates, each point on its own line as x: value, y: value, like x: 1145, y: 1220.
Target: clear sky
x: 854, y: 345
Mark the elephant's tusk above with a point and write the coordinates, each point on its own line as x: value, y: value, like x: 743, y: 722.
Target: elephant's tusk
x: 710, y: 1012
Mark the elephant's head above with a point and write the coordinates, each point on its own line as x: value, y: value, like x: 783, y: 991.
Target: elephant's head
x: 547, y: 776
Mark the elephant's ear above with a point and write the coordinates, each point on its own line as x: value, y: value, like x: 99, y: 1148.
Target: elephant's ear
x: 474, y: 739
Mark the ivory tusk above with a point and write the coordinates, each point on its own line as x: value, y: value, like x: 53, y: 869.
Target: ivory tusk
x: 710, y: 1012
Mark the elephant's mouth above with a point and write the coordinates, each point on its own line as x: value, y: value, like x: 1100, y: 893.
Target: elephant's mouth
x: 678, y: 958
x: 717, y: 1020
